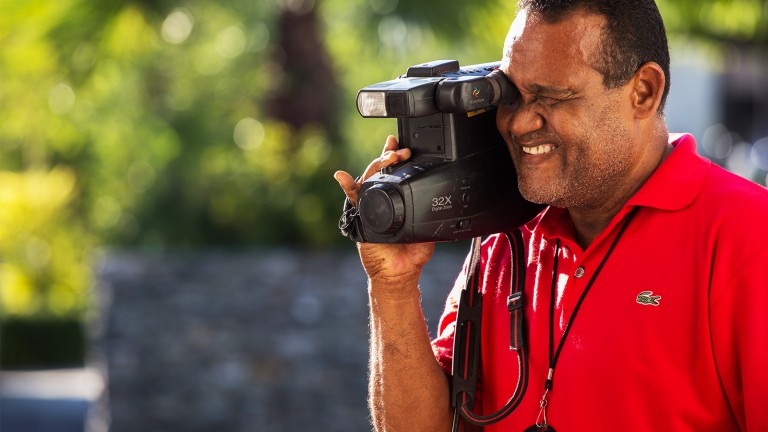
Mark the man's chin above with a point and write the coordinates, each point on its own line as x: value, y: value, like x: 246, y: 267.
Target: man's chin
x: 536, y: 195
x: 549, y: 198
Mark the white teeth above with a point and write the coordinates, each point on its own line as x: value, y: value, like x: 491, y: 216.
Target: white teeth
x: 546, y: 148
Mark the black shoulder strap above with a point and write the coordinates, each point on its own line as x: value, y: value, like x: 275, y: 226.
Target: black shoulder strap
x: 466, y: 343
x: 516, y: 288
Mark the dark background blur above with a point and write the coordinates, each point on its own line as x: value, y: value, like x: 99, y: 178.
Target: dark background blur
x: 169, y: 128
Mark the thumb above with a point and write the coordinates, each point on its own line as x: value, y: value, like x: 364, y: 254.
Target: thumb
x: 348, y: 184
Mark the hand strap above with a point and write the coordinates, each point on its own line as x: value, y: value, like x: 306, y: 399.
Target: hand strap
x: 348, y: 222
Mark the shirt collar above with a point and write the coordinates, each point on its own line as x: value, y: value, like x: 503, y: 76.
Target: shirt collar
x: 673, y: 186
x: 677, y: 181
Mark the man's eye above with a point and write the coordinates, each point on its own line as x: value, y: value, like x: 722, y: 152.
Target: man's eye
x: 548, y: 101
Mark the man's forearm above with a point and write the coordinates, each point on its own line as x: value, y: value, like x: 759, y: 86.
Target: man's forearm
x: 408, y: 389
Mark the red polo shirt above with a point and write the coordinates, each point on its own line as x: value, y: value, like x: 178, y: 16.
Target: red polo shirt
x: 673, y: 334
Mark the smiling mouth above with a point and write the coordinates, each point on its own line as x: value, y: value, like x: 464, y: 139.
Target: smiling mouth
x: 540, y: 149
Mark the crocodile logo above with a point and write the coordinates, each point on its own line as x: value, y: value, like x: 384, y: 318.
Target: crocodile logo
x: 647, y: 298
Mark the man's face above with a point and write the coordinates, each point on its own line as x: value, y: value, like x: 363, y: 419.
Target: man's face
x: 569, y: 136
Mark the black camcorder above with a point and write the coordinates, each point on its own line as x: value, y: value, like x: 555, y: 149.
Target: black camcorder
x: 460, y: 181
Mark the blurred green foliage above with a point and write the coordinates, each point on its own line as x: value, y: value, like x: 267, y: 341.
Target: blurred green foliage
x: 152, y: 123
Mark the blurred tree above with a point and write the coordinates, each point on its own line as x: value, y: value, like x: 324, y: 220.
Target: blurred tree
x: 186, y: 123
x: 308, y: 86
x: 43, y: 268
x: 722, y: 21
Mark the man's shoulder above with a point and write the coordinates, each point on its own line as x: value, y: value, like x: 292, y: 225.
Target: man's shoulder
x: 733, y: 213
x: 733, y: 194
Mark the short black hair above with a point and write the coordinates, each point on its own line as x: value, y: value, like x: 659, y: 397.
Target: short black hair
x: 634, y: 35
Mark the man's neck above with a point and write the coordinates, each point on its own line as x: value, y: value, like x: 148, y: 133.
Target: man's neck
x: 591, y: 221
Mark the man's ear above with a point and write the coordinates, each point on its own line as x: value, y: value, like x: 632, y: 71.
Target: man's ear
x: 647, y: 89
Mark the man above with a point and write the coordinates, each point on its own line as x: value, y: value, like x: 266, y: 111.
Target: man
x: 647, y: 276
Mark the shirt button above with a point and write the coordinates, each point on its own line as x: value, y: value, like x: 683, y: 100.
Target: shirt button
x: 579, y: 272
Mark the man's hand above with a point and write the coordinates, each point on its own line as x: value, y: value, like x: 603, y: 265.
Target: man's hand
x: 408, y: 390
x: 387, y: 264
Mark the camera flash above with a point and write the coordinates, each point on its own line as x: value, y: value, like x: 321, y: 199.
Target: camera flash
x: 372, y: 104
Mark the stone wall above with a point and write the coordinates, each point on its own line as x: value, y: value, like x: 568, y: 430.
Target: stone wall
x: 268, y: 340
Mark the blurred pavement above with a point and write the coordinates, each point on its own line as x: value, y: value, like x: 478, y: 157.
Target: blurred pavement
x: 47, y: 401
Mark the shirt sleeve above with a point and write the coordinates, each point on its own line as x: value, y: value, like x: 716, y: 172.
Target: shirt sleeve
x: 739, y: 325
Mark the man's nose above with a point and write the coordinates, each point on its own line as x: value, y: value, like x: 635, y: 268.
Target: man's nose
x: 521, y: 119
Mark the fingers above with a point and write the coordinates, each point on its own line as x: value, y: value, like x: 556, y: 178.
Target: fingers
x: 386, y: 159
x: 391, y: 155
x: 390, y: 144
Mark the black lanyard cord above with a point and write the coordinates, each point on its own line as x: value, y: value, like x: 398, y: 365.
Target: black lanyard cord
x: 553, y: 358
x: 553, y: 292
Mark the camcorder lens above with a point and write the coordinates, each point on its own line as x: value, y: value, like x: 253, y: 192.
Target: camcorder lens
x: 381, y: 209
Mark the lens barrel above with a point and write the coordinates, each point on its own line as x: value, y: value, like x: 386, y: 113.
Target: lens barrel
x: 381, y: 209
